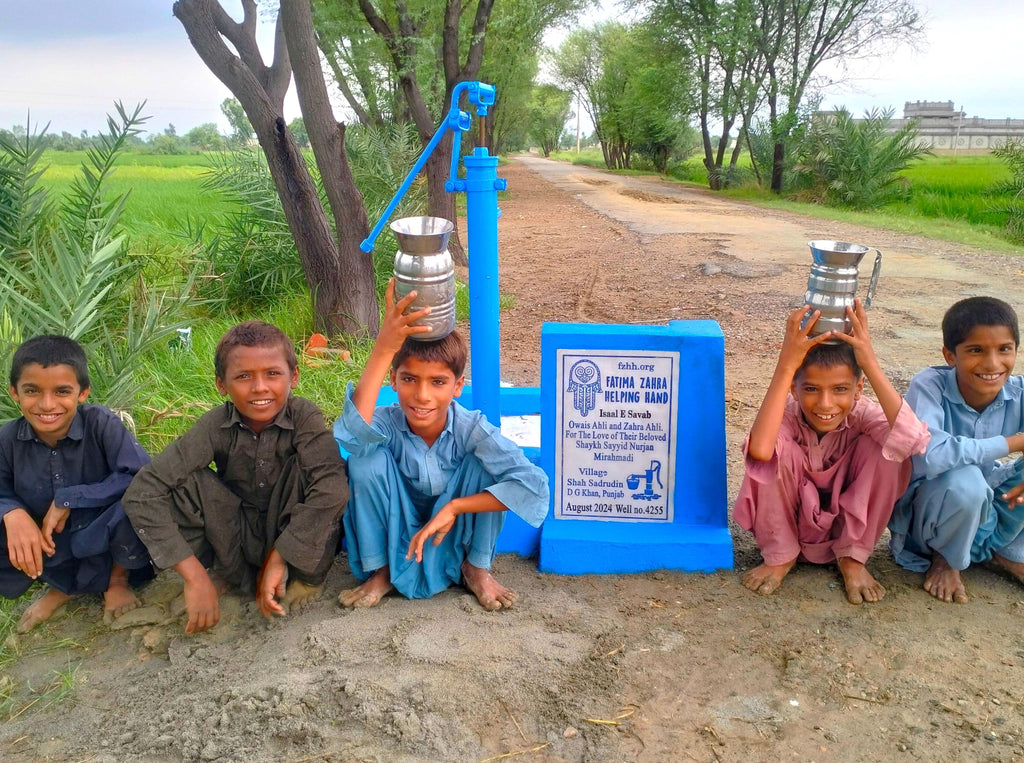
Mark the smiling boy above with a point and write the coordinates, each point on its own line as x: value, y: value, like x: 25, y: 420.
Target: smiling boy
x: 824, y: 465
x: 64, y: 466
x: 427, y: 469
x: 961, y: 506
x: 266, y: 516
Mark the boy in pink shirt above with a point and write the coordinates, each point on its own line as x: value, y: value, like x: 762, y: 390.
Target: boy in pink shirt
x: 825, y: 465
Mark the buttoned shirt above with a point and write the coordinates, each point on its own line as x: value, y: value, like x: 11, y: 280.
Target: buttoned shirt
x: 520, y: 486
x: 960, y: 435
x: 249, y: 464
x: 90, y: 467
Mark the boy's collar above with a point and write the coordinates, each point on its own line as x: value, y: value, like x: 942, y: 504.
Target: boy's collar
x: 283, y: 419
x: 75, y: 432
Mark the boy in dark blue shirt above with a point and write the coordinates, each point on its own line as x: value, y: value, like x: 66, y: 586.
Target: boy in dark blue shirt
x: 63, y: 469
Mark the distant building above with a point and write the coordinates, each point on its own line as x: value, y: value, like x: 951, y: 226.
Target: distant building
x: 941, y: 128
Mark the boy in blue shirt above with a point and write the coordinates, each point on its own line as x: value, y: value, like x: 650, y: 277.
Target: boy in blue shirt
x: 64, y: 466
x: 427, y: 469
x: 961, y: 506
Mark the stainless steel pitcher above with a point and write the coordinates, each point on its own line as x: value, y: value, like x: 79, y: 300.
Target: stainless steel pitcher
x: 832, y: 285
x: 423, y: 264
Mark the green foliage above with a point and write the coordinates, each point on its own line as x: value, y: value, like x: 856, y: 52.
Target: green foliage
x: 298, y: 130
x: 66, y: 267
x: 1013, y: 155
x: 239, y: 121
x: 253, y: 262
x: 380, y: 159
x: 856, y: 163
x: 205, y: 137
x: 633, y: 90
x: 549, y: 110
x: 251, y: 253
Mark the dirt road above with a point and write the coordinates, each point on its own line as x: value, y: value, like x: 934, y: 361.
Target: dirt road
x: 654, y: 667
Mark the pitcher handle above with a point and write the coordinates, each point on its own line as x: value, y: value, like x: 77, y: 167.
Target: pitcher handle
x: 873, y: 283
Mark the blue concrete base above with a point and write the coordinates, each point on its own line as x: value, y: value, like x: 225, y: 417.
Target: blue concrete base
x: 578, y: 548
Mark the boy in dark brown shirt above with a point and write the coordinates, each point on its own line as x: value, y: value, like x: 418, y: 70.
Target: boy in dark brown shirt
x: 269, y: 511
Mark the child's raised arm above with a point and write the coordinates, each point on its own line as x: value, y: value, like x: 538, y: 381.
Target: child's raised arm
x: 394, y: 328
x: 860, y: 340
x: 795, y: 345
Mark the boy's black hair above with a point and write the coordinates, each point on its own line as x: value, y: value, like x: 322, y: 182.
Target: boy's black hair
x: 252, y: 334
x: 964, y: 316
x: 51, y: 350
x: 829, y: 355
x: 450, y: 350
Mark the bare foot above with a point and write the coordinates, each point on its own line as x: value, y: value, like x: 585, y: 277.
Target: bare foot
x: 298, y: 594
x: 118, y: 598
x: 1014, y: 568
x: 944, y: 583
x: 766, y: 578
x: 370, y: 592
x: 491, y: 594
x: 41, y: 610
x: 860, y: 585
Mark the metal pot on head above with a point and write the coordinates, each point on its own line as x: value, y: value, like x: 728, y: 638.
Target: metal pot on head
x: 832, y: 284
x: 424, y: 265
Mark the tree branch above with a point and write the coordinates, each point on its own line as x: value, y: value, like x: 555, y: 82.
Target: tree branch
x: 476, y: 45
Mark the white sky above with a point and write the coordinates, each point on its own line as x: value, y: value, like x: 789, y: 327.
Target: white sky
x: 67, y: 61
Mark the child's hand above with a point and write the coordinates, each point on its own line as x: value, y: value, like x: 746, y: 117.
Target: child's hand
x: 858, y: 338
x: 396, y: 325
x: 797, y: 341
x: 24, y: 542
x: 271, y: 584
x: 1014, y: 497
x: 439, y: 526
x: 53, y: 522
x: 202, y: 603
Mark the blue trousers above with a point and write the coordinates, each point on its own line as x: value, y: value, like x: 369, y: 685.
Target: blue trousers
x: 957, y: 515
x: 382, y: 518
x: 93, y: 540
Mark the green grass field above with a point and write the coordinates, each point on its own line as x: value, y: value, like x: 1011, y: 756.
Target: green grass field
x: 164, y: 191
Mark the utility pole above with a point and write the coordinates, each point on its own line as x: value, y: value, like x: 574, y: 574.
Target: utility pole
x: 578, y: 123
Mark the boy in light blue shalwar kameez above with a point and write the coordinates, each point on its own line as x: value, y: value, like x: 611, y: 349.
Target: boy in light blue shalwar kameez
x: 427, y: 468
x: 964, y: 503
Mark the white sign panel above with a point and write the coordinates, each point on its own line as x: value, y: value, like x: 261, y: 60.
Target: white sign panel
x: 615, y: 442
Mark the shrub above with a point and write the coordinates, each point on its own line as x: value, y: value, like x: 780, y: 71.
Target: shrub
x: 66, y: 266
x: 856, y: 162
x: 1012, y: 153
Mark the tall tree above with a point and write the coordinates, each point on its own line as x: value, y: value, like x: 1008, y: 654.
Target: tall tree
x: 795, y: 37
x: 339, y: 275
x: 241, y: 128
x: 751, y: 55
x: 635, y: 96
x: 714, y: 40
x: 549, y: 109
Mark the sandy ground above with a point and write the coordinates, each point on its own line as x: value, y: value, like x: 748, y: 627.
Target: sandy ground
x: 654, y: 667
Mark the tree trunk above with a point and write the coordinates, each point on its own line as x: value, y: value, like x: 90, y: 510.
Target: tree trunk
x: 339, y: 302
x: 441, y: 203
x: 778, y: 157
x: 327, y: 138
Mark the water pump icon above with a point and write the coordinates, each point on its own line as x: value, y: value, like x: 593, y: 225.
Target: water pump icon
x: 649, y: 477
